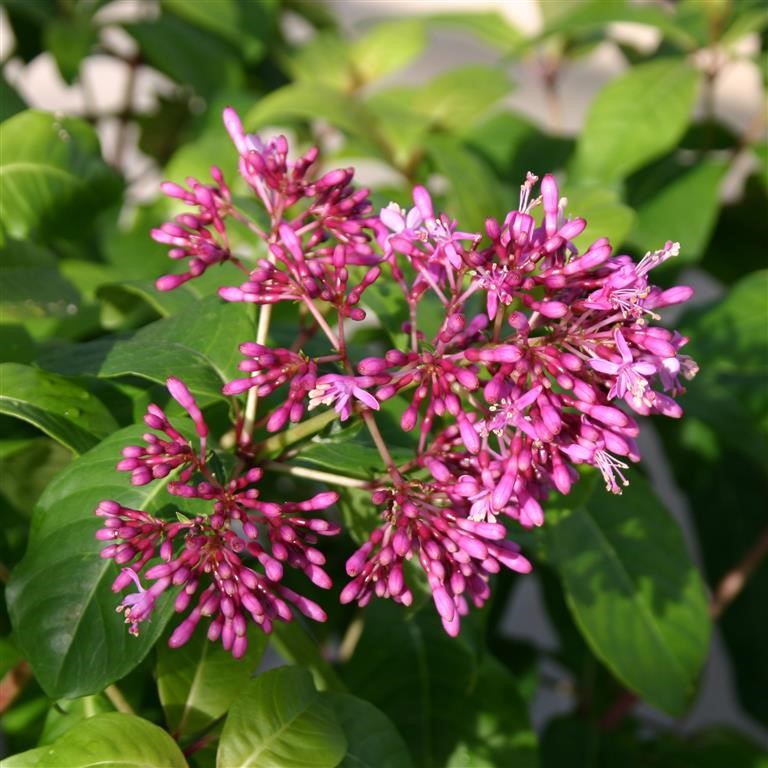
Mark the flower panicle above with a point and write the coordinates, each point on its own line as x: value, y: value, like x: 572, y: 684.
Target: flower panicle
x: 524, y: 357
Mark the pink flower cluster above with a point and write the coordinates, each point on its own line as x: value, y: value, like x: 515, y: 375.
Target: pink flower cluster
x: 203, y: 557
x: 537, y: 360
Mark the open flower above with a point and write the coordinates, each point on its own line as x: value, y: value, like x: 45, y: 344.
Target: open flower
x: 341, y: 391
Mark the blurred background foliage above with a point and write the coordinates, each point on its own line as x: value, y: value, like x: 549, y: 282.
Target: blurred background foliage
x: 654, y: 158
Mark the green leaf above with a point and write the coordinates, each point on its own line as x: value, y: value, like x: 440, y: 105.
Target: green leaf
x: 683, y: 211
x: 596, y: 14
x: 311, y: 101
x: 121, y: 240
x: 66, y: 714
x: 716, y: 476
x: 324, y: 60
x: 28, y: 22
x: 739, y: 222
x: 729, y: 341
x: 69, y: 39
x: 500, y: 138
x: 174, y: 46
x: 295, y: 643
x: 165, y: 303
x: 389, y: 304
x: 280, y: 721
x: 197, y: 682
x: 372, y: 739
x: 198, y: 346
x: 635, y: 118
x: 452, y: 709
x: 475, y: 193
x: 388, y: 47
x: 745, y: 21
x: 606, y: 215
x: 634, y: 592
x: 31, y: 284
x: 491, y: 27
x: 60, y: 599
x: 207, y: 332
x: 28, y: 759
x: 59, y: 407
x: 358, y: 513
x: 245, y: 25
x: 351, y: 457
x: 461, y: 97
x: 10, y: 101
x: 55, y: 182
x: 114, y: 739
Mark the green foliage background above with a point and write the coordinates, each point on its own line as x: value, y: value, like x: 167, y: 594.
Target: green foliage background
x: 86, y: 343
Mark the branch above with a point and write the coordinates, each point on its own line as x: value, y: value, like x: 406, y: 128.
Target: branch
x: 733, y: 582
x: 13, y: 684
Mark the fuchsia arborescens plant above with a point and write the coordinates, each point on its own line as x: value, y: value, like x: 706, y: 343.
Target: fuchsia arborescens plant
x: 536, y: 347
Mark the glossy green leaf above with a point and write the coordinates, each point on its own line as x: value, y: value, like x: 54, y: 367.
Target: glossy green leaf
x: 66, y: 714
x: 606, y: 215
x: 635, y: 118
x: 115, y: 739
x: 683, y: 211
x: 197, y: 682
x: 165, y: 303
x: 54, y: 180
x: 634, y: 592
x: 353, y: 458
x: 475, y: 193
x: 280, y: 721
x: 28, y: 759
x: 197, y: 345
x: 59, y: 597
x: 358, y: 513
x: 715, y: 476
x: 295, y: 643
x: 372, y: 739
x: 452, y: 708
x: 31, y: 284
x: 729, y: 341
x: 59, y: 407
x: 388, y: 47
x: 209, y: 331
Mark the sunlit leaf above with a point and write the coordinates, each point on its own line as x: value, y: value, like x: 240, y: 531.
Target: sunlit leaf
x: 115, y: 739
x: 54, y: 180
x: 635, y: 118
x: 60, y: 599
x: 634, y: 592
x: 280, y: 721
x: 59, y: 407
